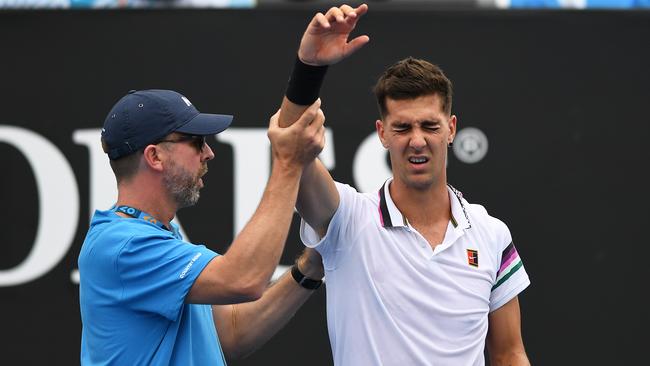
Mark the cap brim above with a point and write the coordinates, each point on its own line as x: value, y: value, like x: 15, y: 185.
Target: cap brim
x: 206, y: 124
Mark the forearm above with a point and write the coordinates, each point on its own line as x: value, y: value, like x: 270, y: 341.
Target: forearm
x: 250, y: 325
x: 504, y: 342
x: 317, y: 198
x: 290, y: 112
x: 256, y: 251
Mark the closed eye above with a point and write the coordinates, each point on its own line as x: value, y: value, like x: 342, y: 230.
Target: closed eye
x: 401, y: 127
x: 430, y: 126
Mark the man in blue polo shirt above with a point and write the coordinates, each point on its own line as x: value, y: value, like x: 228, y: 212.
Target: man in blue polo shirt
x: 147, y: 296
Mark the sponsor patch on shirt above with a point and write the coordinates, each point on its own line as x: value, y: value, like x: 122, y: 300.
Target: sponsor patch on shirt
x: 472, y: 257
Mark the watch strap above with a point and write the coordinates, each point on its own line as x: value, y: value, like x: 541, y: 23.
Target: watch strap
x: 304, y: 281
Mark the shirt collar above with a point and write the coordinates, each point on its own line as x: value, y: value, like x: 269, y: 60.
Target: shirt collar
x: 390, y: 215
x: 459, y: 217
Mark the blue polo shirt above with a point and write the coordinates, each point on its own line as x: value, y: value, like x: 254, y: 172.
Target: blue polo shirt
x: 134, y: 277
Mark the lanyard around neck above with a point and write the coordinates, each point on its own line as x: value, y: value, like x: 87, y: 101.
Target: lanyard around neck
x: 138, y: 214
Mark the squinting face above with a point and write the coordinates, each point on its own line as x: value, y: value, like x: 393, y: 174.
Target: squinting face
x: 416, y: 133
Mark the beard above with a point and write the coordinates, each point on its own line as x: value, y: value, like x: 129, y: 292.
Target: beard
x: 182, y: 185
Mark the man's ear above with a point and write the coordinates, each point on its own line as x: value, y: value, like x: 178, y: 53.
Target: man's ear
x: 452, y: 128
x: 379, y: 126
x: 153, y: 157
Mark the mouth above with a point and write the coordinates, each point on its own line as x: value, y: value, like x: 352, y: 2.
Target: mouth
x: 203, y: 172
x: 418, y: 160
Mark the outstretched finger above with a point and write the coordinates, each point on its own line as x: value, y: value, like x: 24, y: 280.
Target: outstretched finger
x: 354, y: 15
x: 361, y: 10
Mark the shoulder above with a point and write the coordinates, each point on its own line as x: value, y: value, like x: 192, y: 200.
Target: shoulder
x: 112, y: 233
x: 482, y: 217
x: 348, y: 192
x: 482, y: 220
x: 128, y: 228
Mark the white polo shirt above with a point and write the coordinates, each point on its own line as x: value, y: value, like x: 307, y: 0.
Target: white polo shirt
x: 392, y: 300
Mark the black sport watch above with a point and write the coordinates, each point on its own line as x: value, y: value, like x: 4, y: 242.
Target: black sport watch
x: 303, y: 281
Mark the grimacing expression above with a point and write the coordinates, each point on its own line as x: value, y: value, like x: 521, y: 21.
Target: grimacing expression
x: 416, y: 133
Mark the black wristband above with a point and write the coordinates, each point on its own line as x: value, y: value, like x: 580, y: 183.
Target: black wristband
x: 303, y: 281
x: 305, y: 82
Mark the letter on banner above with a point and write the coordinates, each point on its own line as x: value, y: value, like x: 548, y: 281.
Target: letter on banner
x: 252, y: 162
x: 58, y: 211
x: 370, y: 169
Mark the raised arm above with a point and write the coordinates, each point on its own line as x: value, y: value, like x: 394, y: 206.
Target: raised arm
x: 243, y: 272
x: 325, y: 42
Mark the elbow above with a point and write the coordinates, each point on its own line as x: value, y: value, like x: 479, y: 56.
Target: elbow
x: 249, y: 291
x: 251, y: 295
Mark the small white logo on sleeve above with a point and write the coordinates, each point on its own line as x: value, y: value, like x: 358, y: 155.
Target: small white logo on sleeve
x: 189, y: 265
x: 187, y: 101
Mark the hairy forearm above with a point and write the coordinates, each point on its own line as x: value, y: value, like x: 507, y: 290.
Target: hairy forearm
x: 256, y: 251
x: 251, y: 325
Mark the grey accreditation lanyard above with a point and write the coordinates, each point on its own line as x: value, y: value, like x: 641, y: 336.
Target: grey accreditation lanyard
x: 138, y: 214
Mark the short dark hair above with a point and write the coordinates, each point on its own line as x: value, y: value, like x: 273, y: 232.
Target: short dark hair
x: 411, y: 78
x: 124, y: 167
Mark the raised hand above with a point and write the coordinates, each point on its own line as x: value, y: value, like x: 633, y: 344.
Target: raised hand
x: 301, y: 142
x: 325, y: 42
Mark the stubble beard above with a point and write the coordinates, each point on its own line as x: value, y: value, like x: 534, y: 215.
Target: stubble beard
x: 183, y: 187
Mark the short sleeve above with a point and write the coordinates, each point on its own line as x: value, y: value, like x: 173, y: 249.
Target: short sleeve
x: 511, y: 277
x: 341, y: 231
x: 157, y: 272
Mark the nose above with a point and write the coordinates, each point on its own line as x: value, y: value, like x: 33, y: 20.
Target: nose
x: 417, y: 140
x: 207, y: 152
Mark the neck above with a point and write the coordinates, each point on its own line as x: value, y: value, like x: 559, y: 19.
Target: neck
x: 422, y: 205
x: 148, y: 200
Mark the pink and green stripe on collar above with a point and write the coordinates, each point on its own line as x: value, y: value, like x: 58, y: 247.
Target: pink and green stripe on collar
x: 510, y: 263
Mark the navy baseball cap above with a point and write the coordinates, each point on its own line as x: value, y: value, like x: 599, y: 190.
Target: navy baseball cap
x: 143, y: 117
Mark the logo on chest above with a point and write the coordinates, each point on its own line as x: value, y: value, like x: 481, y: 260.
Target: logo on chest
x: 472, y: 257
